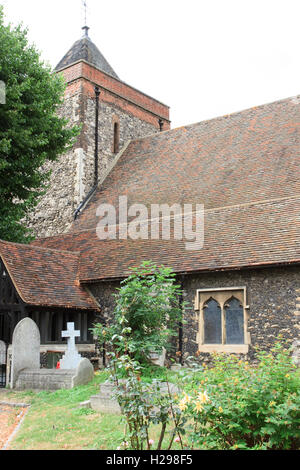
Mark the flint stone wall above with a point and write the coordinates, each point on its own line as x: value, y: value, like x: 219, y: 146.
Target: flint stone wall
x: 73, y: 173
x: 272, y: 295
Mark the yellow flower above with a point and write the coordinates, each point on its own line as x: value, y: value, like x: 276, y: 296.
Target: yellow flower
x: 220, y: 409
x: 287, y: 376
x: 202, y: 397
x: 198, y: 406
x: 272, y: 403
x: 186, y: 398
x: 182, y: 405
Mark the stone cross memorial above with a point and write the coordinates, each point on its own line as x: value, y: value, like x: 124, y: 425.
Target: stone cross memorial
x: 72, y: 358
x: 26, y: 373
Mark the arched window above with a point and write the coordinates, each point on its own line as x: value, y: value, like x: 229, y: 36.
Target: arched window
x: 234, y: 321
x: 222, y: 320
x: 212, y: 322
x: 116, y: 137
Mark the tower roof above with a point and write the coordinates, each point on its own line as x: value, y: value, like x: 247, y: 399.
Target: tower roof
x: 85, y: 49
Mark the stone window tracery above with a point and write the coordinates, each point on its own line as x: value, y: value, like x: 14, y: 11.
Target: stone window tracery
x: 222, y: 317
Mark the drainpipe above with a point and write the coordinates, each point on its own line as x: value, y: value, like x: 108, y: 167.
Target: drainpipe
x: 161, y: 125
x: 180, y: 335
x: 97, y: 93
x: 96, y: 171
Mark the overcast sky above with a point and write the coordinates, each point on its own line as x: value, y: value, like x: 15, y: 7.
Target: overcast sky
x: 203, y: 58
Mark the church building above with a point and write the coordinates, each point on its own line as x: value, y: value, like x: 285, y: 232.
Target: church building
x: 242, y: 286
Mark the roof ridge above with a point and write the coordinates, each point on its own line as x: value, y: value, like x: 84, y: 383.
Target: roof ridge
x: 27, y: 245
x: 213, y: 209
x: 217, y: 118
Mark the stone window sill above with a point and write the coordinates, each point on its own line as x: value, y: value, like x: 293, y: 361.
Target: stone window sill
x: 224, y: 348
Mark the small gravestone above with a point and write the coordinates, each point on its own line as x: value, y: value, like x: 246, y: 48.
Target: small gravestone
x: 25, y: 348
x: 105, y: 402
x: 158, y: 359
x: 2, y: 353
x: 71, y: 358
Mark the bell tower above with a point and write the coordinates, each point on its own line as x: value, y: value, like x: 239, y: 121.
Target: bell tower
x: 124, y: 114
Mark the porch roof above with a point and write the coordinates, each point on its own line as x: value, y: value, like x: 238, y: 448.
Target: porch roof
x: 46, y: 277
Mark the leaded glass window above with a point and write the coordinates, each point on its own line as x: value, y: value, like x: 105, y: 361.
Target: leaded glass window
x: 212, y: 322
x: 234, y: 322
x: 222, y: 318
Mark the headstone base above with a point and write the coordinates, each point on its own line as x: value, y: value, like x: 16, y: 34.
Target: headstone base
x: 51, y: 379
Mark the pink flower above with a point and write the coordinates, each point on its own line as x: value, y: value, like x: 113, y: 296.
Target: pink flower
x: 177, y: 439
x: 151, y: 442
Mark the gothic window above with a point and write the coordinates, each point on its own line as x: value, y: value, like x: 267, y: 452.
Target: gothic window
x: 212, y: 322
x: 222, y: 320
x: 234, y: 321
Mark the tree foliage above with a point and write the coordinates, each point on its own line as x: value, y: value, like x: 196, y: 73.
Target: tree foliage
x: 31, y: 131
x: 147, y: 313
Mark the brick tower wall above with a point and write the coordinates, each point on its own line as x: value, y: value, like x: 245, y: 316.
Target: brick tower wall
x: 73, y: 173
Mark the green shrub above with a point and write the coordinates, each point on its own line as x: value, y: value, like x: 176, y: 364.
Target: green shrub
x: 245, y: 407
x: 147, y: 313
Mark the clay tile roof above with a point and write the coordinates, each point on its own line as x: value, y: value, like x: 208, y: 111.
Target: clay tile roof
x: 245, y: 157
x: 243, y: 236
x: 45, y: 277
x: 85, y: 49
x: 244, y: 169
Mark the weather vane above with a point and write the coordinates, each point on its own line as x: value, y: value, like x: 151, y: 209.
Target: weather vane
x: 85, y: 8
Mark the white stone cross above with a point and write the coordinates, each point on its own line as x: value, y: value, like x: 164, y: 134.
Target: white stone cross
x: 71, y: 359
x: 71, y: 334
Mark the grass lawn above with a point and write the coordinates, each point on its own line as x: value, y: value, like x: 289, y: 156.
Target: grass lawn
x: 56, y: 422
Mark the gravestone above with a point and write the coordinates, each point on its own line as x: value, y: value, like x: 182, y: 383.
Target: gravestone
x: 158, y: 359
x: 2, y: 353
x: 2, y: 364
x: 105, y: 402
x: 71, y: 358
x: 25, y: 348
x: 26, y: 373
